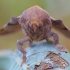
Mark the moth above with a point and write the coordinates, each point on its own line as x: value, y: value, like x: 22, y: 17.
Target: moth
x: 37, y: 25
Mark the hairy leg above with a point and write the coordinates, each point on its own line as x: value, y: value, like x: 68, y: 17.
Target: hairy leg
x: 56, y: 41
x: 21, y: 48
x: 29, y: 43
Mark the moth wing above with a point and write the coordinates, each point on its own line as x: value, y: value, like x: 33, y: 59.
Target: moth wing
x: 11, y: 27
x: 59, y: 26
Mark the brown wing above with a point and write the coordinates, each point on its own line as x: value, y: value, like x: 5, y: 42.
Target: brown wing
x: 11, y: 26
x: 59, y: 25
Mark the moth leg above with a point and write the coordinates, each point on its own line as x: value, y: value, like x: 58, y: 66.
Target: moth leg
x: 21, y: 48
x: 56, y: 41
x: 29, y: 43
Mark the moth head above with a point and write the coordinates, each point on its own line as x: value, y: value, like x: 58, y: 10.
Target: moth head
x: 35, y: 25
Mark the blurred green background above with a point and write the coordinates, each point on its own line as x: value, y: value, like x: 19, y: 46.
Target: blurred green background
x: 59, y: 9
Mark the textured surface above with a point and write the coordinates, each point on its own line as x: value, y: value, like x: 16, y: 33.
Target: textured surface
x: 38, y: 52
x: 35, y: 55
